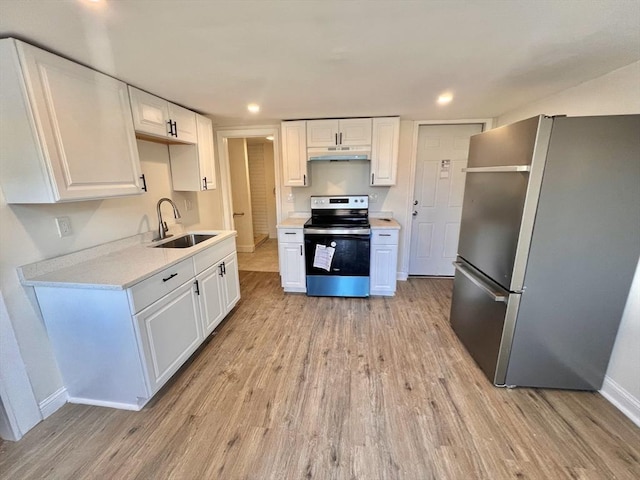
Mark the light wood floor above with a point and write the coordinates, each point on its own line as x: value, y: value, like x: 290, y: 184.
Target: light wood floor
x: 293, y: 387
x: 263, y: 259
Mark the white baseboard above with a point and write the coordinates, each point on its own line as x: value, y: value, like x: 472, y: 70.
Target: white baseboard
x: 402, y: 276
x: 53, y: 402
x: 621, y: 399
x: 100, y: 403
x: 245, y: 248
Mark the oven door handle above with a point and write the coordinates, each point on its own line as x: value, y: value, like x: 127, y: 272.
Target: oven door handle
x: 337, y: 231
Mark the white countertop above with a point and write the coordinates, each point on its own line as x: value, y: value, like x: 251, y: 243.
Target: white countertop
x: 113, y: 268
x: 293, y: 222
x: 384, y: 224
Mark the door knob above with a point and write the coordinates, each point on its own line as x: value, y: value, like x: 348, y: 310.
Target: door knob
x: 415, y: 213
x: 415, y: 202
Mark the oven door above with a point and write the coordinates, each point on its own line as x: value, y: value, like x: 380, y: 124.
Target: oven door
x: 337, y: 264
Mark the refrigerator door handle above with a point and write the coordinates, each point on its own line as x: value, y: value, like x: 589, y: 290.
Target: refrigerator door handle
x: 504, y: 169
x: 497, y: 296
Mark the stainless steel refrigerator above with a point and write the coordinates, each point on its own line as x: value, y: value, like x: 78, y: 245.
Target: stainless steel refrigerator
x: 549, y: 243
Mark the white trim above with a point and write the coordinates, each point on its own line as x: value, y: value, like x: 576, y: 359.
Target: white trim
x: 402, y: 276
x: 101, y: 403
x: 53, y: 402
x: 621, y: 399
x: 222, y: 135
x: 16, y: 394
x: 487, y: 125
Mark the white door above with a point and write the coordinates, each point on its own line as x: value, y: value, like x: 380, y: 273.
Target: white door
x: 185, y: 123
x: 438, y: 191
x: 211, y: 301
x: 150, y: 113
x: 170, y: 331
x: 84, y: 118
x: 230, y: 282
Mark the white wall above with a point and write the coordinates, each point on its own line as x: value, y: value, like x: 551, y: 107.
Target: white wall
x: 617, y: 92
x: 29, y: 234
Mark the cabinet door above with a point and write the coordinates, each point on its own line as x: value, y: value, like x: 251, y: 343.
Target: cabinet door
x: 193, y: 166
x: 292, y: 271
x: 231, y: 281
x: 150, y: 113
x: 294, y: 154
x: 322, y: 133
x: 206, y: 152
x: 354, y: 132
x: 384, y: 151
x: 185, y: 123
x: 84, y: 127
x: 170, y: 331
x: 384, y: 260
x: 212, y: 302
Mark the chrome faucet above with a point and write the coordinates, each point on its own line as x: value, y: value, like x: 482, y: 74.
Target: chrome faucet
x: 162, y: 226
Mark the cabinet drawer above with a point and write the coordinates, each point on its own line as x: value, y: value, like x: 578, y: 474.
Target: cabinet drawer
x: 148, y: 291
x: 212, y: 255
x: 290, y: 235
x: 384, y: 237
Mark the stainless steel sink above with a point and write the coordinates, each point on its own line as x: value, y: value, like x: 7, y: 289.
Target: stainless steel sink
x: 186, y: 241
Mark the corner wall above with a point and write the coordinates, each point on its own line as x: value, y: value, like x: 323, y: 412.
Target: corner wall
x: 615, y: 93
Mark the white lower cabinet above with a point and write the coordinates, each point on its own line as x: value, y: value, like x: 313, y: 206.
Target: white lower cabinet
x: 170, y: 331
x: 218, y: 288
x: 116, y: 348
x: 212, y: 308
x: 384, y: 262
x: 292, y: 259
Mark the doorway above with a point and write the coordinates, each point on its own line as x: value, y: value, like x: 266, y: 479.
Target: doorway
x: 249, y: 160
x: 441, y: 154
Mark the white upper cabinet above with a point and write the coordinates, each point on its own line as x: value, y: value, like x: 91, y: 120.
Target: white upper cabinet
x: 294, y: 154
x: 67, y: 132
x: 158, y: 118
x: 384, y: 151
x: 343, y: 132
x: 193, y: 166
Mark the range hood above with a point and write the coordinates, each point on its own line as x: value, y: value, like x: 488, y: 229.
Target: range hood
x: 338, y: 154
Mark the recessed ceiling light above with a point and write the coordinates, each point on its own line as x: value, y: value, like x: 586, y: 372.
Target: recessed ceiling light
x: 253, y: 107
x: 445, y: 98
x: 270, y: 138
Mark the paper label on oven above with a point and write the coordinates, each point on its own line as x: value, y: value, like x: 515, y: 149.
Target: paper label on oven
x: 323, y: 257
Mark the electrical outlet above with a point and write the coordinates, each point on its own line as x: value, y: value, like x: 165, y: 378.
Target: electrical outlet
x: 188, y: 206
x: 373, y: 198
x: 290, y: 198
x: 64, y: 226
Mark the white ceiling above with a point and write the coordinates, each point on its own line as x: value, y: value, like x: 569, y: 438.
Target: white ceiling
x: 314, y: 59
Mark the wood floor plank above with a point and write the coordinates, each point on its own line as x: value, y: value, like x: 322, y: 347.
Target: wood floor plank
x: 292, y: 387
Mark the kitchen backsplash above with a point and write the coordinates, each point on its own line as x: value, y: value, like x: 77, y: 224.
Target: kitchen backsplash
x: 339, y: 178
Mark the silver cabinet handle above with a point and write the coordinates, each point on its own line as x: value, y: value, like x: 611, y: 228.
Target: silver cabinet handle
x: 497, y: 296
x: 505, y: 169
x: 241, y: 214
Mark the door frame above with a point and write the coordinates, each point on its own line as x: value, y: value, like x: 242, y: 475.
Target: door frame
x: 487, y: 124
x: 222, y: 136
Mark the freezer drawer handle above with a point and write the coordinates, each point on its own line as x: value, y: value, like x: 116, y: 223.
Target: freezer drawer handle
x: 497, y: 296
x: 505, y: 169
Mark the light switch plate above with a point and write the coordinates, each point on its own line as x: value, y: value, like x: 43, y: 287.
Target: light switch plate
x: 64, y: 226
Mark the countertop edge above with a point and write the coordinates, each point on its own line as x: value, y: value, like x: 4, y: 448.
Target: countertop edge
x: 48, y: 279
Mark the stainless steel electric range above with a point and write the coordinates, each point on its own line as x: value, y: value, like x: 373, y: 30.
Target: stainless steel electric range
x: 337, y: 246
